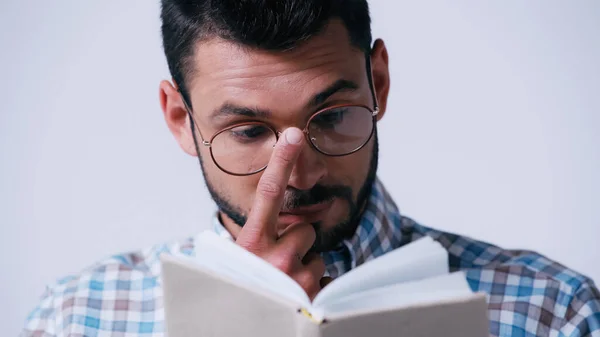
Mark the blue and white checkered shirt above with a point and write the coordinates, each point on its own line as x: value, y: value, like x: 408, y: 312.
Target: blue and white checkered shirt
x: 528, y: 295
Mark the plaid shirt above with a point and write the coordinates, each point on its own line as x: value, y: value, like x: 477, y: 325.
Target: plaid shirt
x: 528, y: 295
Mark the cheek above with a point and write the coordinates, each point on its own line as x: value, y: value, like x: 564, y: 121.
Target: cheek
x: 238, y: 191
x: 244, y: 189
x: 351, y: 170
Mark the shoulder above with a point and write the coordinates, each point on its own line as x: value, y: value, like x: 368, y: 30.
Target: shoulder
x: 521, y: 285
x: 467, y: 253
x: 119, y: 293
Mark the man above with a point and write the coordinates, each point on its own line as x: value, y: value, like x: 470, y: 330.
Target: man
x: 280, y: 101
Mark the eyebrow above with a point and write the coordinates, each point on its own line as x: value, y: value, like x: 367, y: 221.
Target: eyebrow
x: 231, y: 109
x: 337, y: 86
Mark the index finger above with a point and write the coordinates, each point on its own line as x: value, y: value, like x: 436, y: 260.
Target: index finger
x: 271, y: 186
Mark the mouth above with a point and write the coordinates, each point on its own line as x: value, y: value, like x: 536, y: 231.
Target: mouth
x: 311, y: 213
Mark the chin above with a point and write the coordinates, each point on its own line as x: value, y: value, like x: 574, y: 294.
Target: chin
x: 332, y: 231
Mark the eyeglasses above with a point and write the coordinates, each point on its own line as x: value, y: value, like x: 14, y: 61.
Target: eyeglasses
x: 245, y: 148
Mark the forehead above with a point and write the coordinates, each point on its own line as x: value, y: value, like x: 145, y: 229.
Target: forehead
x: 224, y: 70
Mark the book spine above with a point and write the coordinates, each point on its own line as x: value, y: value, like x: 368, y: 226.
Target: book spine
x: 317, y: 319
x: 307, y: 325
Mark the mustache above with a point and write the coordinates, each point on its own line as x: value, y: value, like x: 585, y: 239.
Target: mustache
x: 294, y: 198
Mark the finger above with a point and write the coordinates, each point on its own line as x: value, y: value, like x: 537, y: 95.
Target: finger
x: 297, y: 239
x: 272, y: 184
x: 310, y: 275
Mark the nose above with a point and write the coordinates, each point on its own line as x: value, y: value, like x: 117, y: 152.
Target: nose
x: 309, y: 168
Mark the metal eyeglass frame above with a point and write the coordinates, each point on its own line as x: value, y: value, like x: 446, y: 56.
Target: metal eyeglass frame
x: 374, y: 113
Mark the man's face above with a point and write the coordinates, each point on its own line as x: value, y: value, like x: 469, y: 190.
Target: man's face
x: 325, y: 191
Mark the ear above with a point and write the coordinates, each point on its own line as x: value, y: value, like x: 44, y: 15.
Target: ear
x: 176, y: 116
x: 381, y: 75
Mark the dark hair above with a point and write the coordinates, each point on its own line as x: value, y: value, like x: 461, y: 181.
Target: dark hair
x: 264, y: 24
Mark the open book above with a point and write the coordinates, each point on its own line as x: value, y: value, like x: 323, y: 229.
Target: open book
x: 226, y: 291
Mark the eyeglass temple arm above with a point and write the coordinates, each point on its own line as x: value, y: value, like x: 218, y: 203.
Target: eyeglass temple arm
x: 195, y: 126
x: 372, y: 85
x: 192, y: 119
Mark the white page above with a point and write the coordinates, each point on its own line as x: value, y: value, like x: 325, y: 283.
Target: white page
x: 233, y: 262
x: 440, y: 288
x: 415, y: 261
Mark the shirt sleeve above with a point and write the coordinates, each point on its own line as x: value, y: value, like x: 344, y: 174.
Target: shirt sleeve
x: 41, y: 322
x: 583, y: 313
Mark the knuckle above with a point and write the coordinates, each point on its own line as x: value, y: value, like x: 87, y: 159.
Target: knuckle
x: 283, y: 155
x: 247, y: 245
x: 284, y: 264
x: 252, y: 243
x: 269, y: 188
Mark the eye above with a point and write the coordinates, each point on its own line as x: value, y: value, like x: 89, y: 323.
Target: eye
x: 249, y: 133
x: 330, y: 118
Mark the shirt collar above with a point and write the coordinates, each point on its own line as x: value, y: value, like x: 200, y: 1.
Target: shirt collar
x: 378, y: 233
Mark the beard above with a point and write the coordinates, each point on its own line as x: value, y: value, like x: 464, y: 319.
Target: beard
x: 326, y: 240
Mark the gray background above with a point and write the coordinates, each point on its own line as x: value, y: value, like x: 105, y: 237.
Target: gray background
x: 492, y: 132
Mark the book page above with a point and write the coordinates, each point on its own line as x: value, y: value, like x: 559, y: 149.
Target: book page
x: 417, y: 260
x: 436, y: 289
x: 199, y: 302
x: 456, y: 317
x: 225, y: 258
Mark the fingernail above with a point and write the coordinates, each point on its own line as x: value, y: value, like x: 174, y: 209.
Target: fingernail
x: 293, y: 136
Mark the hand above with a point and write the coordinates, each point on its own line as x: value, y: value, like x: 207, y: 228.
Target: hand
x: 287, y: 251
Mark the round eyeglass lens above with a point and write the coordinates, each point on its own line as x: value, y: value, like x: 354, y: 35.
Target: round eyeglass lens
x: 243, y: 149
x: 341, y: 130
